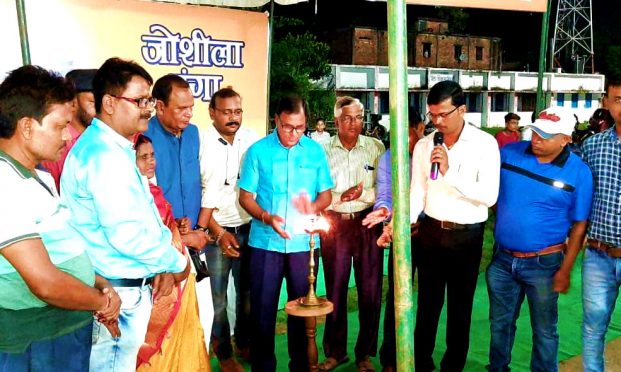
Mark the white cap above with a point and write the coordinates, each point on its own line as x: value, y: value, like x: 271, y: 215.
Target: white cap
x: 554, y: 120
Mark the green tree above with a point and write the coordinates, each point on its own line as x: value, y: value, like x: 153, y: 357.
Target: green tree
x: 300, y: 65
x: 612, y: 61
x: 456, y: 17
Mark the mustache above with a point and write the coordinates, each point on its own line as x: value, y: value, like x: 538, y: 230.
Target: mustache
x: 231, y: 123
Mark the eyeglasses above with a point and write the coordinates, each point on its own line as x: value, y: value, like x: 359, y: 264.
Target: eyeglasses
x: 347, y: 119
x: 140, y: 102
x: 442, y: 115
x: 290, y: 128
x: 229, y: 112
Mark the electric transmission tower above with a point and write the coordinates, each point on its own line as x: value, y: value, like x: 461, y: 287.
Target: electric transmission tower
x: 572, y: 46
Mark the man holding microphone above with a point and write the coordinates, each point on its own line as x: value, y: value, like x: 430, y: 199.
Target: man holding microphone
x: 455, y: 202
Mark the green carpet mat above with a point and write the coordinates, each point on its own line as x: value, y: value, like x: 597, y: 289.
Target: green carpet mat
x: 570, y: 319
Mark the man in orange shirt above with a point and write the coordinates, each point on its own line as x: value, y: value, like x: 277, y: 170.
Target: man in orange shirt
x: 83, y: 113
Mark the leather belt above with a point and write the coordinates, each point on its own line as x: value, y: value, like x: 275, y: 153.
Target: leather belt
x: 609, y: 249
x: 130, y: 282
x: 237, y: 229
x: 349, y: 216
x: 548, y: 250
x: 448, y: 225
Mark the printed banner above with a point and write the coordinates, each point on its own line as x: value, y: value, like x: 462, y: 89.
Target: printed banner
x: 522, y: 5
x: 210, y: 47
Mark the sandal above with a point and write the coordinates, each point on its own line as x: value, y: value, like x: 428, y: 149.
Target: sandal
x: 365, y: 365
x: 331, y: 363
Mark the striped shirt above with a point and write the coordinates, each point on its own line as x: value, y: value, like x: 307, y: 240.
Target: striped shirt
x: 602, y: 153
x: 350, y: 167
x: 31, y: 210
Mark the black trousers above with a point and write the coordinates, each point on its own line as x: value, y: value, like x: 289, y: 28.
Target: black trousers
x: 448, y: 262
x: 349, y: 242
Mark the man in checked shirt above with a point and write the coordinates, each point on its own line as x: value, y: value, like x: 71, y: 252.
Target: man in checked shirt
x: 353, y: 162
x: 601, y: 274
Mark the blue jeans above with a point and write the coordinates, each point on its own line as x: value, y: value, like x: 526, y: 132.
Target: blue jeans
x: 509, y: 279
x: 219, y: 268
x: 69, y: 352
x: 119, y: 354
x: 601, y: 277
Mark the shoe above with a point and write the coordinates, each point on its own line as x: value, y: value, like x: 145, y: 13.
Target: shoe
x: 243, y: 353
x: 331, y: 363
x: 230, y: 365
x: 365, y: 365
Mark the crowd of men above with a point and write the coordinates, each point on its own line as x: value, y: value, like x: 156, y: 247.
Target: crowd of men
x: 82, y: 235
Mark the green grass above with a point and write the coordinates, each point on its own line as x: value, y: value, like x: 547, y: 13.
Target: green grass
x: 352, y: 295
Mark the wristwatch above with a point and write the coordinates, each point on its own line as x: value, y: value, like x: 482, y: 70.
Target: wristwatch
x: 201, y: 228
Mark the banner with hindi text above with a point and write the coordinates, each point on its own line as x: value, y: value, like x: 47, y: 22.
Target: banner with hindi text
x: 208, y: 46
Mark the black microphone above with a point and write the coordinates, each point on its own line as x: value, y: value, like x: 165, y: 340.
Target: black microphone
x: 438, y: 139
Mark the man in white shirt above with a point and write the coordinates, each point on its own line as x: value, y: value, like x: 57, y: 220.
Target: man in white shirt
x: 455, y: 205
x: 320, y: 135
x: 223, y: 146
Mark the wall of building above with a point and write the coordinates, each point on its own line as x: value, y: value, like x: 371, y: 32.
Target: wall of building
x: 460, y: 52
x: 489, y: 94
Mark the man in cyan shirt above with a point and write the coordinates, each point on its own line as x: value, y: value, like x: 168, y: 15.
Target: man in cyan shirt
x: 114, y: 213
x: 541, y: 217
x: 288, y: 172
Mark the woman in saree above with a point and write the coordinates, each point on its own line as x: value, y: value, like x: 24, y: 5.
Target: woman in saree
x: 174, y: 340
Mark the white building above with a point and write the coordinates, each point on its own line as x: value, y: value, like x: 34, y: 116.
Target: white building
x: 490, y: 95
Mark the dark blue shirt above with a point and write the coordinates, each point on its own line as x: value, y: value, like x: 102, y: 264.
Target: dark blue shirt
x: 539, y: 202
x: 177, y: 170
x: 602, y: 153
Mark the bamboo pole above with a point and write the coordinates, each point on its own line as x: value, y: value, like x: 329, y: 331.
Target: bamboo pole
x: 23, y: 31
x: 543, y: 47
x: 398, y: 92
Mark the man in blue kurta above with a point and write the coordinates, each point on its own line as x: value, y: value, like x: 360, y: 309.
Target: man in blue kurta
x: 176, y: 145
x: 289, y: 175
x: 543, y: 206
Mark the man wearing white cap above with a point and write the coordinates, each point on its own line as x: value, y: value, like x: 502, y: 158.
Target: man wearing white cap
x: 541, y: 218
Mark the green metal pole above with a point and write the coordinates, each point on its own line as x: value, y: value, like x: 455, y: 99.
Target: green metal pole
x: 402, y: 254
x: 270, y: 40
x: 23, y: 31
x: 543, y: 47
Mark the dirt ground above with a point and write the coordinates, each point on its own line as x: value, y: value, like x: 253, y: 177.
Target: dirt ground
x: 613, y: 359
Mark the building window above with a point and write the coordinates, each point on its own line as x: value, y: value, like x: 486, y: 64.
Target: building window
x: 458, y: 55
x: 574, y: 100
x: 384, y: 103
x: 560, y: 99
x: 479, y: 53
x: 474, y: 102
x: 500, y: 102
x: 588, y: 97
x: 427, y: 50
x: 527, y: 102
x: 415, y: 101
